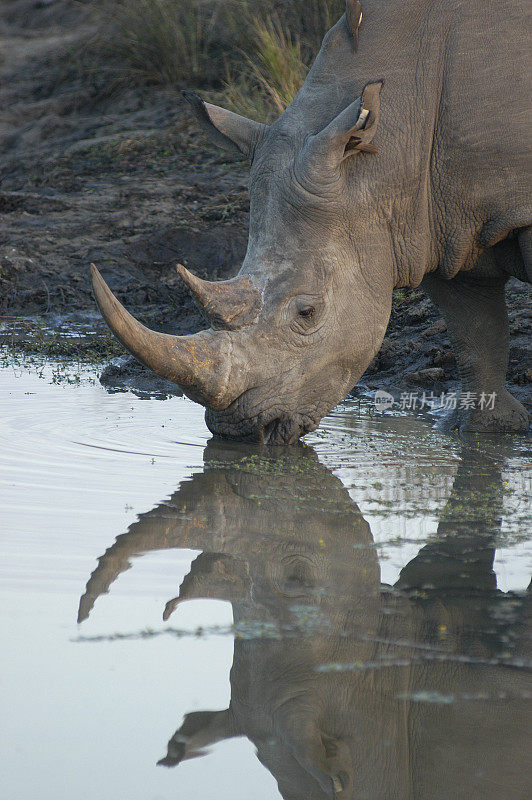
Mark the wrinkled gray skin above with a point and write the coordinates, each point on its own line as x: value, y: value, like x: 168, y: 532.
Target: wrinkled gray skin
x: 444, y: 204
x: 303, y: 580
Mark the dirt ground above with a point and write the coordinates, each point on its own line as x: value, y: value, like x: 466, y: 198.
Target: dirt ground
x: 92, y: 170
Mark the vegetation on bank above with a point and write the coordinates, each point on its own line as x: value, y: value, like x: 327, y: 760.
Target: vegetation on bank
x: 253, y: 54
x: 82, y: 344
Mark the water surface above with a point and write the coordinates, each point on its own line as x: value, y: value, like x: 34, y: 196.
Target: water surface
x: 351, y: 615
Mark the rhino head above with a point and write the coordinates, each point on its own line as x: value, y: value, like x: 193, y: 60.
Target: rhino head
x: 292, y: 333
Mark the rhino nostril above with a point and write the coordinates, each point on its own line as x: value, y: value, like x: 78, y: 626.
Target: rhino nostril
x: 281, y: 430
x: 268, y: 430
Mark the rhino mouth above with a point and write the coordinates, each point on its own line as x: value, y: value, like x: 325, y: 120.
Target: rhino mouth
x: 273, y: 428
x: 282, y: 430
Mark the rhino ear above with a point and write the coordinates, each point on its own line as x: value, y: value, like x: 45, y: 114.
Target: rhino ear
x: 238, y: 135
x: 352, y: 131
x: 360, y: 135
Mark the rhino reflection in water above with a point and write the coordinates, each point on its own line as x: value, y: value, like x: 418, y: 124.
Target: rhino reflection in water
x: 348, y: 688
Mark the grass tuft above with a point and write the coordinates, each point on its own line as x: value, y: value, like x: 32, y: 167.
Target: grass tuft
x: 256, y: 54
x: 165, y: 41
x: 273, y: 74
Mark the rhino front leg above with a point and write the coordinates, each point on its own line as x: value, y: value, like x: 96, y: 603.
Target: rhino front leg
x: 477, y: 324
x: 325, y: 758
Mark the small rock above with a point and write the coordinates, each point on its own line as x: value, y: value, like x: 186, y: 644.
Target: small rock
x: 436, y: 329
x: 426, y: 377
x: 442, y: 358
x: 415, y: 315
x: 522, y: 375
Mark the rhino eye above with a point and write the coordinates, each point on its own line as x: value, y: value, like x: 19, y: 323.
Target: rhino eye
x: 306, y: 313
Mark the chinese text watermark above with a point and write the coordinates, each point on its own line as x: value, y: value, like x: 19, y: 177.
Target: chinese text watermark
x: 417, y: 401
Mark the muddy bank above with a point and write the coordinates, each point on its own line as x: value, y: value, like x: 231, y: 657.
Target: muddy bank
x: 92, y: 170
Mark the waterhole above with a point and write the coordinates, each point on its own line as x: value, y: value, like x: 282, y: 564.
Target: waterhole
x: 348, y: 615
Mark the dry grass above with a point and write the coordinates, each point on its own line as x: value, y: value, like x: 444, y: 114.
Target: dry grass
x: 165, y: 41
x: 307, y: 20
x: 273, y: 71
x: 255, y: 53
x: 280, y: 39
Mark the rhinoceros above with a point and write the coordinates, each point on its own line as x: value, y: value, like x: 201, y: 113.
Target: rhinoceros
x: 403, y: 161
x: 349, y: 688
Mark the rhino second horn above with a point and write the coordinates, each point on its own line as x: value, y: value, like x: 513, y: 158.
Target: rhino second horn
x: 199, y: 364
x: 226, y: 305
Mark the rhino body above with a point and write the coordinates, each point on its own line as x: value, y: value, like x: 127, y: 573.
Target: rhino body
x: 402, y: 162
x: 349, y: 688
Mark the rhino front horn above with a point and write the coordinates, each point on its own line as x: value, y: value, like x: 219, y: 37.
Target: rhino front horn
x: 199, y: 364
x: 226, y: 305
